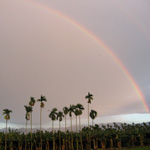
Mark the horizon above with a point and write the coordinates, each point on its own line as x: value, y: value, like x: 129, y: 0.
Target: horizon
x: 128, y: 118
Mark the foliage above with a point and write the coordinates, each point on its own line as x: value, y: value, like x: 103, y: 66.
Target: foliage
x: 130, y: 135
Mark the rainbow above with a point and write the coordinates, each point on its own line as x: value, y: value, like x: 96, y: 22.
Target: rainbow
x: 102, y: 44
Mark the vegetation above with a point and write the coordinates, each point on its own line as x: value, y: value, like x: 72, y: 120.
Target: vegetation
x: 105, y: 136
x: 6, y: 112
x: 41, y: 100
x: 31, y: 104
x: 92, y: 137
x: 28, y: 110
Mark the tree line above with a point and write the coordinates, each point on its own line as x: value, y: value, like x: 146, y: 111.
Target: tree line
x: 92, y: 137
x: 53, y: 115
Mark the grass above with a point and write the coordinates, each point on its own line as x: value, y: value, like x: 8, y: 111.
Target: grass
x: 137, y: 148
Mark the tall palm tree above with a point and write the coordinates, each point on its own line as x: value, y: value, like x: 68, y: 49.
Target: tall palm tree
x: 90, y: 98
x: 81, y: 108
x: 6, y: 112
x: 76, y: 112
x: 93, y: 115
x: 71, y: 110
x: 31, y: 103
x: 65, y: 110
x: 60, y: 116
x: 41, y: 100
x: 53, y: 116
x: 28, y: 110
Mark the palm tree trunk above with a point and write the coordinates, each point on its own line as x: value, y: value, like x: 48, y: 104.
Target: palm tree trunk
x: 6, y: 136
x: 52, y: 126
x: 31, y: 130
x: 76, y: 125
x: 89, y: 140
x: 89, y: 125
x: 26, y: 137
x: 71, y: 134
x: 40, y: 127
x: 79, y: 123
x: 88, y: 116
x: 53, y: 135
x: 80, y: 134
x: 71, y: 122
x: 59, y: 137
x: 65, y: 133
x: 65, y: 125
x: 76, y: 133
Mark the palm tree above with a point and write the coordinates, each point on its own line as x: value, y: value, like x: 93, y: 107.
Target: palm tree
x: 6, y: 112
x: 89, y: 97
x: 81, y: 108
x: 71, y: 110
x: 53, y: 116
x: 41, y: 100
x: 65, y: 110
x: 93, y: 115
x: 28, y: 110
x: 31, y: 103
x: 76, y: 112
x: 60, y: 115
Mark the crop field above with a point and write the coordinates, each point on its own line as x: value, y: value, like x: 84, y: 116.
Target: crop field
x: 137, y: 148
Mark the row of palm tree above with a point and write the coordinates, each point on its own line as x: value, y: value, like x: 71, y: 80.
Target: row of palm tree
x: 73, y: 109
x: 76, y: 109
x: 29, y: 110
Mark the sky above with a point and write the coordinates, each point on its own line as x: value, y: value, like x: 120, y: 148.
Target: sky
x: 65, y: 49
